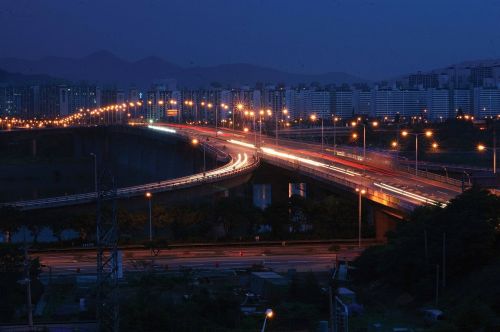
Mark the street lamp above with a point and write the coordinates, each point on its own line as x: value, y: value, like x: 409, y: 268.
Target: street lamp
x: 224, y: 107
x: 189, y: 103
x: 209, y: 106
x: 482, y: 148
x: 360, y: 193
x: 239, y: 107
x: 173, y: 103
x: 313, y: 118
x: 95, y: 173
x: 149, y: 197
x: 252, y: 114
x: 195, y: 142
x: 335, y: 119
x: 427, y: 133
x: 284, y: 112
x: 268, y: 315
x: 354, y: 124
x: 261, y: 113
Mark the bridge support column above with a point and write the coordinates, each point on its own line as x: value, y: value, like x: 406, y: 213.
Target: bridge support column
x: 33, y: 147
x: 383, y: 223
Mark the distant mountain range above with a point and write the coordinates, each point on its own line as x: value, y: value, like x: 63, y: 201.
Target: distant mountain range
x: 21, y: 79
x: 105, y: 68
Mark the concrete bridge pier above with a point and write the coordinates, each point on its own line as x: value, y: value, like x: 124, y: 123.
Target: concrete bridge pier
x: 385, y: 221
x: 33, y: 148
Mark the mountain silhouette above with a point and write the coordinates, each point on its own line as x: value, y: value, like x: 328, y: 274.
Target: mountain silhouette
x: 105, y: 68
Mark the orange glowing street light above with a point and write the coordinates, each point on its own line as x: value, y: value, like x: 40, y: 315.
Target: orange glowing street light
x: 354, y: 124
x: 360, y: 192
x: 482, y: 147
x: 427, y: 133
x: 268, y: 315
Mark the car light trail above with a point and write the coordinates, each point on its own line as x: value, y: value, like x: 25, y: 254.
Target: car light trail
x: 164, y: 129
x: 409, y: 194
x: 248, y: 145
x: 308, y: 161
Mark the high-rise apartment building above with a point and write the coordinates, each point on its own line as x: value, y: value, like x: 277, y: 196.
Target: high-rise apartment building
x: 486, y: 102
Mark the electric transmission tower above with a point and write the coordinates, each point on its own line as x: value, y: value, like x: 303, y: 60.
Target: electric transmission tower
x: 107, y: 255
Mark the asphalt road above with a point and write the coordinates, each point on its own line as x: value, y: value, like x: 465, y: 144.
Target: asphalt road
x: 416, y: 190
x: 303, y: 257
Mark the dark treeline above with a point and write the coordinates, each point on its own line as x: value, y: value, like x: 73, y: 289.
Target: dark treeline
x: 467, y: 234
x: 224, y: 219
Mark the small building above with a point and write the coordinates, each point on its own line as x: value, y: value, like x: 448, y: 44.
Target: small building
x: 268, y: 284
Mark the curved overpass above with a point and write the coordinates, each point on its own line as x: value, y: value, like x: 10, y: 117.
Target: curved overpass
x: 379, y: 182
x: 241, y: 161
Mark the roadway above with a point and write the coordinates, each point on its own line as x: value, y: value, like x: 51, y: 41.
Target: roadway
x: 303, y: 257
x: 381, y: 183
x: 239, y: 162
x: 379, y: 180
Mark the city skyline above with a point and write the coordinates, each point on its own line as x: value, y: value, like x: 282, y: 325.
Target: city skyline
x: 244, y: 165
x: 329, y: 36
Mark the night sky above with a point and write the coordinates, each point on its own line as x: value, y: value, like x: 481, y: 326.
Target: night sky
x: 373, y: 39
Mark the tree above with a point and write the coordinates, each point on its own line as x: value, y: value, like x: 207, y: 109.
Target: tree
x: 333, y: 217
x: 470, y: 224
x: 11, y: 272
x: 9, y: 219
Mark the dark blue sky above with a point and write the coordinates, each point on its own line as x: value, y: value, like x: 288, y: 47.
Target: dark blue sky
x: 369, y: 38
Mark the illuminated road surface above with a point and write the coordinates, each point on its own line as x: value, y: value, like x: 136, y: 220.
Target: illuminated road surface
x: 314, y: 257
x: 240, y: 161
x: 408, y: 188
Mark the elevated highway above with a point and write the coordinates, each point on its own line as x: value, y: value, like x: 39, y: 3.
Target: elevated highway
x: 380, y: 181
x: 374, y: 176
x: 238, y: 162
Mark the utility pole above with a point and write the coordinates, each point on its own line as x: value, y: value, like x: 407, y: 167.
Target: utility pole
x: 426, y: 252
x: 444, y: 260
x: 322, y: 135
x: 360, y: 210
x: 416, y: 155
x: 27, y: 281
x: 95, y: 173
x: 276, y: 130
x: 364, y: 143
x: 494, y: 151
x: 204, y: 158
x: 330, y: 301
x: 334, y: 135
x: 107, y: 256
x: 216, y: 111
x: 359, y: 220
x: 437, y: 284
